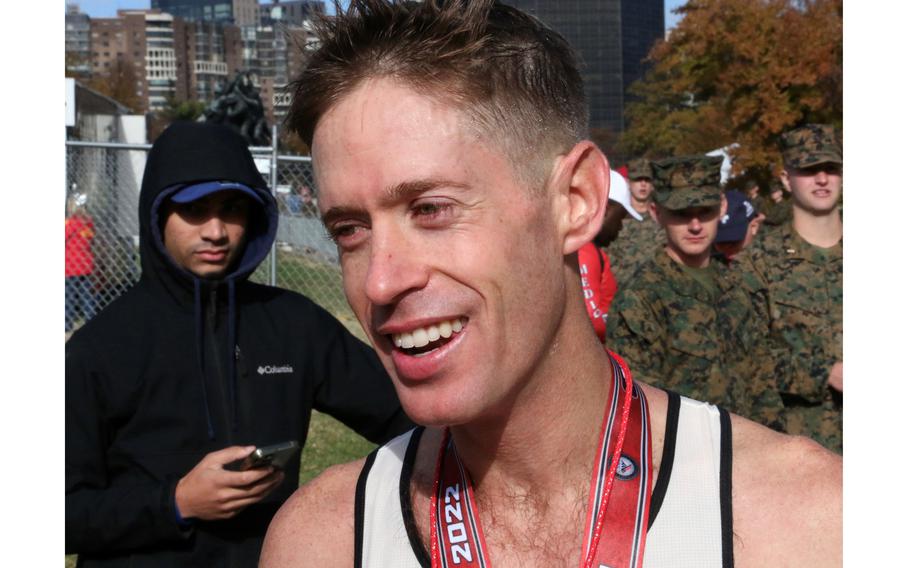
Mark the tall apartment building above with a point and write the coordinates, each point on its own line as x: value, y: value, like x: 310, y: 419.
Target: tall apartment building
x: 144, y: 40
x: 208, y: 55
x: 292, y: 13
x: 237, y: 12
x: 612, y: 37
x: 170, y: 57
x: 78, y: 41
x: 160, y: 59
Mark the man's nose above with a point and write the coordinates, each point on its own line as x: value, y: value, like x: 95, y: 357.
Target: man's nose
x: 694, y: 225
x: 821, y: 177
x: 395, y: 266
x: 213, y: 229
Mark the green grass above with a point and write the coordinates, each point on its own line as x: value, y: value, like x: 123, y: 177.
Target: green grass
x: 329, y: 442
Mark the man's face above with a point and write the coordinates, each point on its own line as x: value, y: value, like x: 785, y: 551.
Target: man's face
x: 206, y: 236
x: 438, y: 243
x: 815, y: 189
x: 690, y: 232
x: 641, y: 189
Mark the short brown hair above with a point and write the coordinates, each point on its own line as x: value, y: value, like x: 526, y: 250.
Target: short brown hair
x: 515, y: 78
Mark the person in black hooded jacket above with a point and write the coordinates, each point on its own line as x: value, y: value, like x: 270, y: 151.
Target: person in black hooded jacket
x: 194, y: 366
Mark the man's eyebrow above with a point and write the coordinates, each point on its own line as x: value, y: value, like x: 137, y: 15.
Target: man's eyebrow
x: 409, y: 189
x: 340, y: 213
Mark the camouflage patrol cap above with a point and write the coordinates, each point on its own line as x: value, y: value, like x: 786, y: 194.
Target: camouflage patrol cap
x: 689, y: 181
x: 810, y: 145
x: 640, y: 168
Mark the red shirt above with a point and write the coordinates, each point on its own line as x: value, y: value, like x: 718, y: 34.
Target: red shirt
x: 79, y: 233
x: 598, y: 285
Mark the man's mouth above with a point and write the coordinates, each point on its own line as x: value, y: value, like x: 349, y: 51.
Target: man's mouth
x: 212, y: 255
x: 423, y: 340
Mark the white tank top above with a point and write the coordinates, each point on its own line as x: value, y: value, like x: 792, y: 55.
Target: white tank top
x: 691, y: 520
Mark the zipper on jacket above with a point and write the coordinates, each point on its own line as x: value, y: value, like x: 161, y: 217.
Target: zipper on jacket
x: 221, y: 380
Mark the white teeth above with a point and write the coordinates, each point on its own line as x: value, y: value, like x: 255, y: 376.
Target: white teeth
x: 420, y: 337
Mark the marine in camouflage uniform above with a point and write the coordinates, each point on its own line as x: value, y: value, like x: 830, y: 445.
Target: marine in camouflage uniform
x: 693, y: 329
x: 804, y: 286
x: 639, y: 240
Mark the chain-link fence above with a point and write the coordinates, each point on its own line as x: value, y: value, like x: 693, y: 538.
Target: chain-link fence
x: 102, y: 200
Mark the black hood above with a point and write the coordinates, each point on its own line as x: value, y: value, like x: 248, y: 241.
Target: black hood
x: 188, y: 153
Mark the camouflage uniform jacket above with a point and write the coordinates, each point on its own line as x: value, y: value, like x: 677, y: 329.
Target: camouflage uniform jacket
x: 775, y: 213
x: 633, y: 247
x: 675, y: 335
x: 804, y: 286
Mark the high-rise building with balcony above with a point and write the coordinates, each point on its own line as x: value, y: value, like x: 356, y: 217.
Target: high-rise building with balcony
x: 612, y: 37
x: 170, y: 57
x: 160, y: 59
x: 209, y: 55
x: 237, y: 12
x: 292, y: 13
x: 78, y: 41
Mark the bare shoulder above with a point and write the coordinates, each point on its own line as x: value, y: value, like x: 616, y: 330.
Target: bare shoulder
x: 787, y: 499
x: 315, y: 527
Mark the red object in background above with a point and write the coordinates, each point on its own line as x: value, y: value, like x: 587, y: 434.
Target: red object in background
x: 598, y: 285
x: 624, y: 171
x: 80, y: 230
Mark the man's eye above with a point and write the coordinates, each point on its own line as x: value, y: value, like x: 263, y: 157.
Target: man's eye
x: 192, y: 210
x: 431, y: 209
x: 235, y: 208
x: 345, y: 234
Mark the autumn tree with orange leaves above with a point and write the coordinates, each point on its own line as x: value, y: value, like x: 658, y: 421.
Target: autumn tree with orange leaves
x: 739, y: 71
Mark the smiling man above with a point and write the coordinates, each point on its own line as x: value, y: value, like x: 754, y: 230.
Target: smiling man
x: 450, y: 150
x: 195, y: 366
x: 801, y: 265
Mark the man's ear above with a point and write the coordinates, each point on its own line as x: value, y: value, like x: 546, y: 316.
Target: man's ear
x: 785, y: 179
x: 582, y: 181
x: 723, y: 205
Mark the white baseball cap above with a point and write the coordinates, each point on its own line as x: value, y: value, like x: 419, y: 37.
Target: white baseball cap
x: 619, y: 192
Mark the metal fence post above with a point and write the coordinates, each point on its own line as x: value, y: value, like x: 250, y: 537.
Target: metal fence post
x: 273, y: 182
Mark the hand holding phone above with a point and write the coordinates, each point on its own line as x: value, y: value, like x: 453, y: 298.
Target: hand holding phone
x: 275, y: 455
x: 209, y: 492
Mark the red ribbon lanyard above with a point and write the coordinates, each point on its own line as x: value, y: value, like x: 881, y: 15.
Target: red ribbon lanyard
x: 623, y: 456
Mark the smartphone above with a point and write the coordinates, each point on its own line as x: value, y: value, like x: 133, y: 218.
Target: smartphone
x: 276, y: 455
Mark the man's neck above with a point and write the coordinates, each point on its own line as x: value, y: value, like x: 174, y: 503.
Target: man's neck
x: 824, y: 231
x: 547, y: 437
x: 641, y: 207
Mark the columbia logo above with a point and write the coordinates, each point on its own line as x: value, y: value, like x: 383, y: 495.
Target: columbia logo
x: 273, y: 370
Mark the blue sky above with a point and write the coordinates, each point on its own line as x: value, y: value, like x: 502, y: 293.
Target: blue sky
x: 108, y: 8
